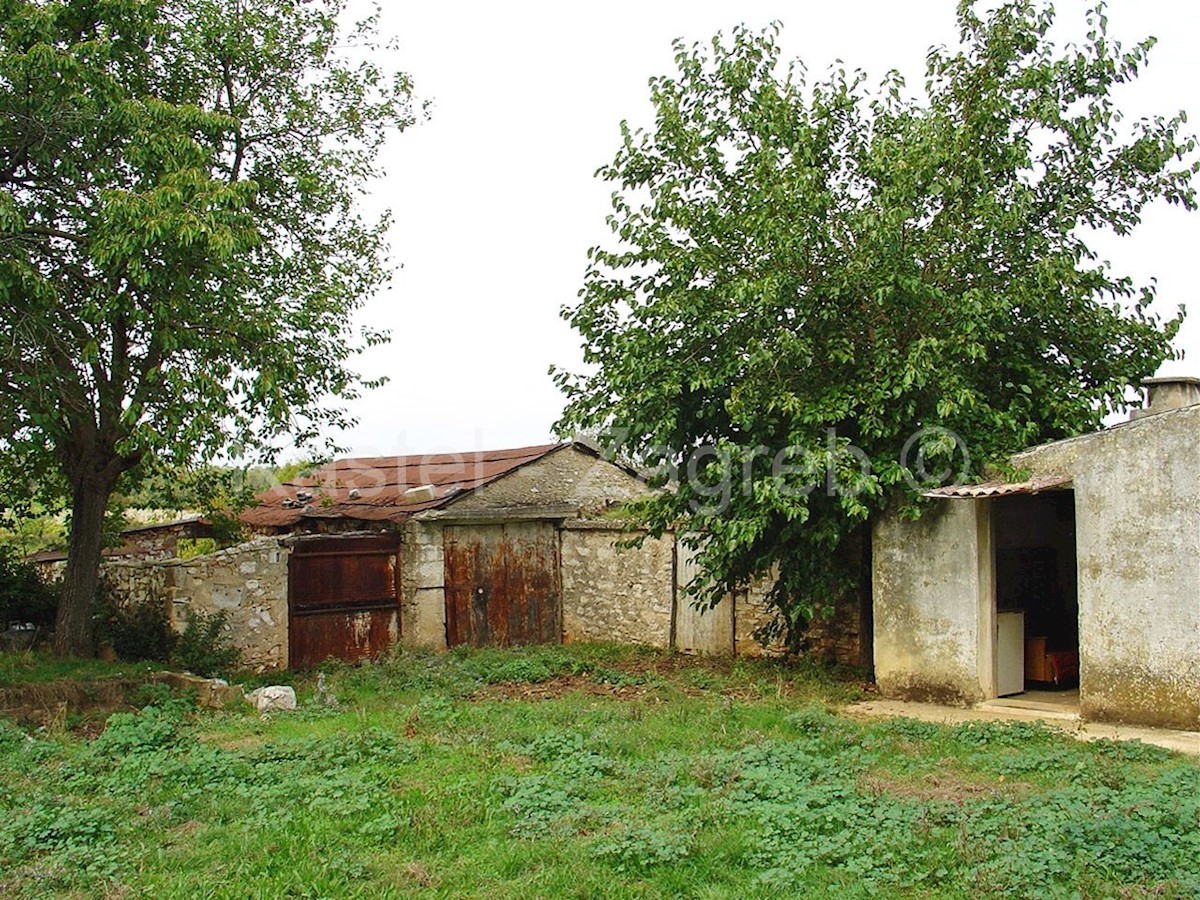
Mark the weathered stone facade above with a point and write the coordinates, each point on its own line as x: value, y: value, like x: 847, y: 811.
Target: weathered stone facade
x: 611, y: 594
x: 605, y: 592
x: 1137, y: 506
x: 160, y: 540
x: 423, y: 586
x: 836, y: 635
x: 752, y: 613
x: 248, y: 582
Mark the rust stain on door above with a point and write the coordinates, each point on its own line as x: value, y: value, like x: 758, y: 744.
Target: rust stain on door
x: 502, y: 584
x: 343, y: 599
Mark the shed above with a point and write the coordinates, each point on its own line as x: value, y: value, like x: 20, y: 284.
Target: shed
x: 152, y: 540
x: 1083, y: 575
x: 486, y: 548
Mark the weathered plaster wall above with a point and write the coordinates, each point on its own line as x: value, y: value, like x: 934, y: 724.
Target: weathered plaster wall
x: 567, y: 478
x: 928, y: 589
x: 1137, y: 513
x: 422, y: 586
x: 615, y: 595
x: 248, y: 582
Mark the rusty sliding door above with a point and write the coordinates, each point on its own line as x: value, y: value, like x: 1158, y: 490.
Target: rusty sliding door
x: 343, y: 599
x: 503, y: 584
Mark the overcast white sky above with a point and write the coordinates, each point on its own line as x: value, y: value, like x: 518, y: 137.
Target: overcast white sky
x: 496, y: 203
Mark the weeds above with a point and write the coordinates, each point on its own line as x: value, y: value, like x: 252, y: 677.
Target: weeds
x: 413, y: 784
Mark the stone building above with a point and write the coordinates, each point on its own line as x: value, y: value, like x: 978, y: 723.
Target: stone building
x: 1086, y: 572
x: 156, y: 540
x: 491, y: 548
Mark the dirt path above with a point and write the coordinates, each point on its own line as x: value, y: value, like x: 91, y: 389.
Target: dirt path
x: 1181, y: 741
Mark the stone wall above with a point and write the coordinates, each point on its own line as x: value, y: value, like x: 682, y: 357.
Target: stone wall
x: 751, y: 614
x: 1137, y: 519
x: 160, y: 541
x: 248, y: 582
x: 422, y: 586
x: 836, y: 635
x: 615, y: 595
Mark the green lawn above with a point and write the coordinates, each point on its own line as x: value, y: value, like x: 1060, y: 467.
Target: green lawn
x: 586, y: 771
x: 32, y: 666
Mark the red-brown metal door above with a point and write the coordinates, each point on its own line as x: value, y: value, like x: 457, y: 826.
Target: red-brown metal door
x: 343, y: 599
x: 502, y: 584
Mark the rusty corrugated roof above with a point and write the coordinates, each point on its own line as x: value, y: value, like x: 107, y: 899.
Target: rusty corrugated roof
x: 373, y: 489
x: 1000, y: 488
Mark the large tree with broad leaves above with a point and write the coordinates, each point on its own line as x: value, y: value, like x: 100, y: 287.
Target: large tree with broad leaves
x: 821, y: 291
x: 181, y: 248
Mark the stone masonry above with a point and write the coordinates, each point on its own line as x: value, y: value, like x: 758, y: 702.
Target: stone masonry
x: 248, y: 582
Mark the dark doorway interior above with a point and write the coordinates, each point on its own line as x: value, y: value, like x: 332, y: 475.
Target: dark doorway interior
x: 1034, y: 537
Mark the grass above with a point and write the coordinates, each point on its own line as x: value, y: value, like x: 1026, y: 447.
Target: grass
x: 586, y: 771
x: 35, y: 666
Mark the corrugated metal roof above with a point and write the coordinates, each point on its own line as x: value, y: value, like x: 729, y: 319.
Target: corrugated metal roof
x: 1000, y: 488
x: 372, y: 489
x: 191, y: 519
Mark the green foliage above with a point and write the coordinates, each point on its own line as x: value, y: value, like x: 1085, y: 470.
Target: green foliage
x: 203, y: 648
x: 149, y: 730
x: 181, y: 254
x: 639, y: 847
x: 137, y: 630
x: 823, y: 293
x: 27, y: 531
x: 24, y: 596
x: 412, y: 788
x: 153, y: 693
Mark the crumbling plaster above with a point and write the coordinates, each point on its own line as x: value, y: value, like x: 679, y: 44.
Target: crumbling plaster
x: 927, y: 584
x: 1137, y: 519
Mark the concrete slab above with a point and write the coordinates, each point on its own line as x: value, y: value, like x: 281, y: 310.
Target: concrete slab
x: 1006, y: 711
x: 1048, y: 710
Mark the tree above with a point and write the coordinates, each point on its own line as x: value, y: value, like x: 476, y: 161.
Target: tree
x: 180, y: 251
x: 819, y: 291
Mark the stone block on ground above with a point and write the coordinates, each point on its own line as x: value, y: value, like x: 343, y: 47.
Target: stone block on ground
x: 274, y: 698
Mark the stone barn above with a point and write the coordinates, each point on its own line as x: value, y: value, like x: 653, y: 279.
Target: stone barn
x: 491, y: 548
x: 1082, y: 576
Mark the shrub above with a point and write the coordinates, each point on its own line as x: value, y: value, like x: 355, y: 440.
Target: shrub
x: 142, y: 732
x: 137, y: 630
x: 24, y: 596
x: 204, y: 647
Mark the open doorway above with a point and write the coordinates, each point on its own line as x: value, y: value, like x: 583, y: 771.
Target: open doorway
x: 1037, y: 603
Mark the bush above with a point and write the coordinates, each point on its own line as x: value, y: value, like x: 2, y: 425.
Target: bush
x: 137, y: 630
x: 204, y: 647
x: 24, y: 596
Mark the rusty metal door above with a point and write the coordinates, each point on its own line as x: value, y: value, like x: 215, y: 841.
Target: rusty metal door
x: 343, y: 599
x: 503, y: 584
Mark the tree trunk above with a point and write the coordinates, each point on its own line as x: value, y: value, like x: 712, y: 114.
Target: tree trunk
x: 73, y: 627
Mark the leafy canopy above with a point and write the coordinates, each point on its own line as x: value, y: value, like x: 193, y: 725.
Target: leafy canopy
x: 181, y: 247
x: 805, y: 268
x: 180, y: 251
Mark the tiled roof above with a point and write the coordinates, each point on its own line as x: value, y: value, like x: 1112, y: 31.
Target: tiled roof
x: 386, y: 488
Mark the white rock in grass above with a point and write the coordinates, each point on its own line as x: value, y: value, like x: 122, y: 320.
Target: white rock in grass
x: 273, y: 698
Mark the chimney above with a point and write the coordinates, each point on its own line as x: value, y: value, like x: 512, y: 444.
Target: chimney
x: 1168, y: 392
